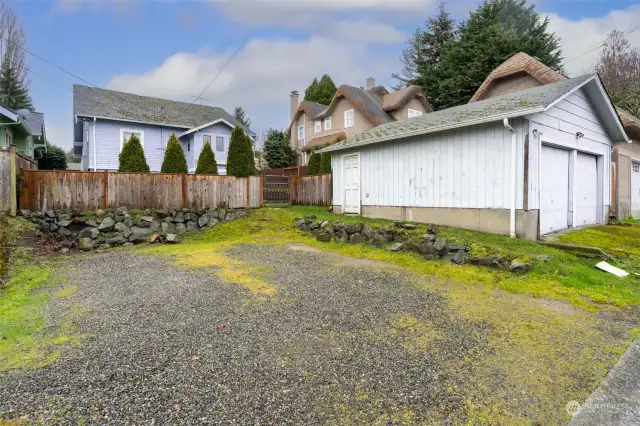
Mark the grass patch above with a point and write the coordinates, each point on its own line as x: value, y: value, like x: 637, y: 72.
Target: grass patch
x: 23, y: 343
x: 556, y: 274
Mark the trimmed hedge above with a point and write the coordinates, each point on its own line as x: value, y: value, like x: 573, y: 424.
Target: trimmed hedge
x: 207, y: 161
x: 174, y: 160
x: 132, y: 157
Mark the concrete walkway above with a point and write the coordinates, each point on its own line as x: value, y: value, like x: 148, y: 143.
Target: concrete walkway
x: 617, y: 400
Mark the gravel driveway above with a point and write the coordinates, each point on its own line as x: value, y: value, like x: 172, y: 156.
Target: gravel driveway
x: 340, y: 342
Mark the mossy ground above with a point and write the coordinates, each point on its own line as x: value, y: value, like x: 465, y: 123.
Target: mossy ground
x: 556, y: 274
x: 31, y: 283
x: 543, y: 351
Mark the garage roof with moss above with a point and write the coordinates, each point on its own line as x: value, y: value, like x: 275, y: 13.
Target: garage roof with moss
x: 517, y: 104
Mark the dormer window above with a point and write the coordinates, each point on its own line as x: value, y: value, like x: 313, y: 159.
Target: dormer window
x: 414, y: 113
x: 327, y: 123
x: 317, y: 126
x: 348, y: 119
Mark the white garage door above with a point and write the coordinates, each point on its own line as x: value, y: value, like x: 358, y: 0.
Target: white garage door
x: 586, y: 190
x: 554, y: 203
x: 635, y: 190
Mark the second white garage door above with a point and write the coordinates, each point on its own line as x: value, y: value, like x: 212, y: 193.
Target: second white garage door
x: 635, y: 190
x: 554, y: 207
x: 586, y: 190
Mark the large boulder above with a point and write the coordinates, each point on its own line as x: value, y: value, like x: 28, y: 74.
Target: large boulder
x: 356, y: 238
x: 181, y: 228
x: 241, y: 213
x: 192, y: 225
x: 213, y: 221
x: 323, y: 236
x: 519, y: 267
x: 173, y: 239
x: 497, y: 262
x: 64, y: 223
x: 367, y: 233
x: 106, y: 225
x: 378, y: 241
x: 168, y: 228
x: 340, y: 236
x: 179, y: 217
x: 203, y: 221
x: 116, y: 241
x: 190, y: 217
x: 91, y: 222
x: 89, y: 232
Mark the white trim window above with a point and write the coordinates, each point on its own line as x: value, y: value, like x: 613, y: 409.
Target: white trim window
x: 219, y: 144
x: 327, y: 123
x: 317, y: 126
x: 125, y: 135
x: 301, y: 133
x: 348, y: 119
x: 8, y: 137
x: 414, y: 113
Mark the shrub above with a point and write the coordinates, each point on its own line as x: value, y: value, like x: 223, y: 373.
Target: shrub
x: 240, y: 158
x: 207, y: 161
x: 54, y: 159
x: 314, y: 164
x: 131, y: 158
x: 277, y: 150
x: 174, y: 160
x: 325, y: 163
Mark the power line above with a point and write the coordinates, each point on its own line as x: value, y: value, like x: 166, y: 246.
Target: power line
x: 593, y: 47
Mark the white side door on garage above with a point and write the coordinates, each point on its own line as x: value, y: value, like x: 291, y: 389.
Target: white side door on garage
x: 351, y: 179
x: 586, y: 193
x: 554, y: 202
x: 635, y: 190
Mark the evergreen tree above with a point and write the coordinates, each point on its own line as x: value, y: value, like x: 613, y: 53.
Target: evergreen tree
x: 497, y: 30
x: 241, y: 117
x: 321, y: 92
x: 325, y: 163
x: 249, y: 159
x: 240, y: 154
x: 13, y: 93
x: 277, y: 150
x: 207, y: 161
x: 314, y: 164
x: 174, y: 160
x: 424, y: 49
x: 54, y: 159
x: 132, y: 157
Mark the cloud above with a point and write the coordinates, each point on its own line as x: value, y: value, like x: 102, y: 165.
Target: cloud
x: 118, y: 6
x: 261, y: 76
x: 580, y: 37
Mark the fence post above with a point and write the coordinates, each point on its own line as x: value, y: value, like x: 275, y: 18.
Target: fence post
x: 261, y: 191
x: 183, y: 186
x: 291, y: 188
x: 248, y: 192
x: 12, y: 191
x: 106, y: 189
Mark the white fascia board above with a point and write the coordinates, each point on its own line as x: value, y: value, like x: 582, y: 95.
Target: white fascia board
x: 338, y: 147
x: 211, y: 123
x: 134, y: 121
x: 10, y: 115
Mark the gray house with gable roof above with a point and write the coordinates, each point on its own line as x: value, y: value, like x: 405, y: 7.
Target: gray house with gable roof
x: 104, y: 119
x: 525, y: 163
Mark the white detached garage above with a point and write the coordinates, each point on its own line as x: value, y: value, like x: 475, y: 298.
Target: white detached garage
x: 527, y: 163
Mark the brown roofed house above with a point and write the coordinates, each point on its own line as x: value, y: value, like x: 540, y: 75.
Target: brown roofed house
x: 521, y: 72
x: 353, y: 110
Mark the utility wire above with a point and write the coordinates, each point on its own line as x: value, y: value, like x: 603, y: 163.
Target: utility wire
x: 593, y: 47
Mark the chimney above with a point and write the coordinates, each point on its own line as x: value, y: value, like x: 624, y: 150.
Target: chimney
x: 371, y: 83
x: 294, y: 103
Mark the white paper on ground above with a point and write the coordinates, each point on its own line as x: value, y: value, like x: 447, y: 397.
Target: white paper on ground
x: 611, y: 269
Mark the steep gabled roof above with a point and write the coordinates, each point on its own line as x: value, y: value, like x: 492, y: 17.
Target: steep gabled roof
x: 374, y: 104
x: 111, y: 104
x: 511, y: 105
x: 519, y: 63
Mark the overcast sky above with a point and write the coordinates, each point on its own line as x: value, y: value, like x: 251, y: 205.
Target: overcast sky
x: 174, y: 48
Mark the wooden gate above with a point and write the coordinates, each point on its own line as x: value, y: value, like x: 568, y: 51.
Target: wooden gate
x: 276, y: 189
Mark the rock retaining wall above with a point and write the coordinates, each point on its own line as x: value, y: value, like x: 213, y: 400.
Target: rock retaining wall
x: 400, y: 236
x: 117, y: 227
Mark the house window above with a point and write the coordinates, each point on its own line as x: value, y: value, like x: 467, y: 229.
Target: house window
x: 188, y: 146
x: 219, y: 143
x: 348, y: 118
x: 636, y: 168
x: 125, y: 135
x: 9, y: 137
x: 317, y: 126
x: 414, y: 113
x: 301, y: 133
x: 327, y: 123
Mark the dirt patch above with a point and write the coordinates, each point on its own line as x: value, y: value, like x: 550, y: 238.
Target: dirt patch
x: 340, y: 260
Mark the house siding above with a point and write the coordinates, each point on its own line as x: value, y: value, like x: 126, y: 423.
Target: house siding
x: 403, y: 113
x: 107, y: 133
x: 463, y: 168
x: 218, y: 129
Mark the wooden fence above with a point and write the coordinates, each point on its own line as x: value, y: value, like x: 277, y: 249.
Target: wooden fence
x: 10, y: 164
x: 286, y: 171
x: 76, y: 190
x: 311, y: 190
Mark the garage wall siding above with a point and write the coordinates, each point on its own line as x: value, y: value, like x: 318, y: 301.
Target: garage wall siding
x: 464, y: 168
x: 558, y: 126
